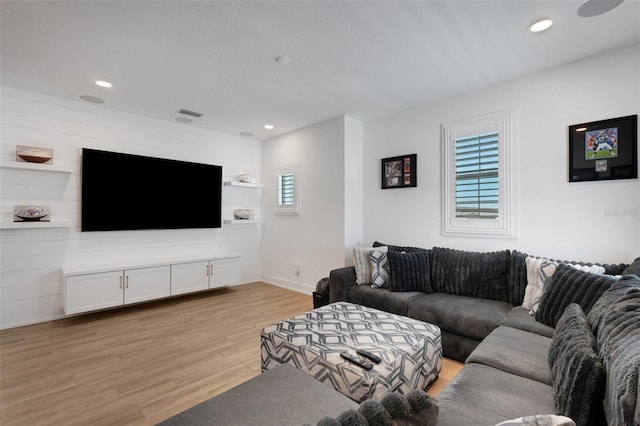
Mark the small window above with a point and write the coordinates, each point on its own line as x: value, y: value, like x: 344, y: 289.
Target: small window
x: 478, y: 178
x: 288, y: 190
x: 285, y: 190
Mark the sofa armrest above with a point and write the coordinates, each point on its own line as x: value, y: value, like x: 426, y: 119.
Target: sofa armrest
x: 339, y: 281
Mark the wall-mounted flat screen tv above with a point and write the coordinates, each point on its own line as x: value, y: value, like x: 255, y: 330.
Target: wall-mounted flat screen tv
x: 130, y: 192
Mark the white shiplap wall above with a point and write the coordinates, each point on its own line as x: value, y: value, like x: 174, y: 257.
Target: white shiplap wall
x: 32, y: 259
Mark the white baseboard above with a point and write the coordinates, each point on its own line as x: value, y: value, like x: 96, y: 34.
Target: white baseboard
x: 289, y: 285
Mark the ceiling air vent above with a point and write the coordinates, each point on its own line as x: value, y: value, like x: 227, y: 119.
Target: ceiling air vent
x: 191, y: 113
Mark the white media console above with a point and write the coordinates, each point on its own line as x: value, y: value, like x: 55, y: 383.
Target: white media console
x: 90, y: 288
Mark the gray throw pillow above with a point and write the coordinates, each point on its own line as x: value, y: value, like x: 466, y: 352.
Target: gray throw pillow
x: 472, y: 274
x: 517, y: 277
x: 577, y: 374
x: 619, y: 349
x: 409, y: 271
x: 634, y: 268
x: 569, y: 285
x: 628, y: 286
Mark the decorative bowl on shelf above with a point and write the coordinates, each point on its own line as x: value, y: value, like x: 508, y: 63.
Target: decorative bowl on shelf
x: 245, y: 177
x: 31, y: 214
x: 243, y: 214
x: 35, y: 155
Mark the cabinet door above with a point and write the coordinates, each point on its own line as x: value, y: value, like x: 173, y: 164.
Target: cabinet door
x: 189, y: 277
x: 146, y: 284
x: 224, y: 272
x: 89, y: 292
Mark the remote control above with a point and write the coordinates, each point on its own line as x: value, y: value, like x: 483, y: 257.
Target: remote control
x: 358, y: 361
x: 373, y: 357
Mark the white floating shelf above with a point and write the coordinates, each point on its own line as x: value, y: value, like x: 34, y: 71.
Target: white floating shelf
x: 29, y: 225
x: 41, y: 167
x: 243, y: 184
x: 238, y: 221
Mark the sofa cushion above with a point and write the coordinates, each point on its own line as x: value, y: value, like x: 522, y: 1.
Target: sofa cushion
x: 455, y: 346
x: 409, y: 271
x: 462, y: 315
x: 567, y: 286
x: 379, y: 267
x: 381, y: 298
x: 576, y: 371
x: 619, y: 348
x: 481, y: 395
x: 521, y: 319
x: 472, y: 274
x: 627, y: 285
x: 515, y: 351
x: 260, y: 401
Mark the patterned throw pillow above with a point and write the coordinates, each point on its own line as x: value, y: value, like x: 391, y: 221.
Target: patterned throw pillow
x: 577, y: 374
x: 410, y: 271
x: 379, y: 267
x: 362, y: 264
x: 539, y: 272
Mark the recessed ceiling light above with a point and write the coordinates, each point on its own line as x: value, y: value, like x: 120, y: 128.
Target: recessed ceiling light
x: 597, y: 7
x: 268, y: 126
x: 283, y: 60
x: 184, y: 120
x: 103, y: 83
x: 541, y: 25
x: 92, y: 99
x: 246, y: 134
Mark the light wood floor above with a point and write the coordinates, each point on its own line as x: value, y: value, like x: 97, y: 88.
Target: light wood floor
x: 142, y: 364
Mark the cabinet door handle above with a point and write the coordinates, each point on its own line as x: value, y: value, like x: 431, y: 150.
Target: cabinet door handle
x: 121, y: 282
x: 207, y: 270
x: 127, y: 284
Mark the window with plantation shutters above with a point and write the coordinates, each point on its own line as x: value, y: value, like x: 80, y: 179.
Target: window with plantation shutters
x: 288, y: 190
x: 285, y: 189
x: 477, y: 164
x: 478, y: 178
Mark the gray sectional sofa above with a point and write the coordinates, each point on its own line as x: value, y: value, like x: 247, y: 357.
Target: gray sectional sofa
x: 515, y: 362
x: 578, y: 356
x: 466, y: 294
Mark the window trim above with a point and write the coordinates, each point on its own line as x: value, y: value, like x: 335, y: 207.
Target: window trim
x: 294, y: 208
x: 505, y: 225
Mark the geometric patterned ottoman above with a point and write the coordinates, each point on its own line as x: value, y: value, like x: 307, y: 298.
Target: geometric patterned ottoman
x: 411, y: 350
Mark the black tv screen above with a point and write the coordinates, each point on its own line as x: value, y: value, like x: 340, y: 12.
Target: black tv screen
x: 128, y: 192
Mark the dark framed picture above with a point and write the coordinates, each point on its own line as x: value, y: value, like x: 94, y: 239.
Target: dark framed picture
x: 604, y: 150
x: 399, y: 172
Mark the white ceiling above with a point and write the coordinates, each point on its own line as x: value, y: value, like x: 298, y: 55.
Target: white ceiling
x: 360, y: 58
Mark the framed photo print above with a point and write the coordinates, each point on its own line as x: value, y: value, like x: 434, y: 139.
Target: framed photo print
x: 604, y: 150
x: 399, y: 172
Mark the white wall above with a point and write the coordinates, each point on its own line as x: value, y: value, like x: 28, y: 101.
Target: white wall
x: 353, y: 184
x: 315, y: 239
x: 32, y: 259
x: 589, y: 221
